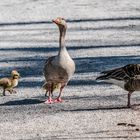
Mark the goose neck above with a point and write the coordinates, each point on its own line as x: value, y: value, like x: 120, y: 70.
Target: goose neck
x: 62, y: 40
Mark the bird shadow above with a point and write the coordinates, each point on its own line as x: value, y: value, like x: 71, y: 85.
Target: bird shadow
x: 107, y: 108
x: 22, y: 102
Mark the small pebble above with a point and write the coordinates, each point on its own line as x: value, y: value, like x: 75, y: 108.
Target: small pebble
x: 137, y: 129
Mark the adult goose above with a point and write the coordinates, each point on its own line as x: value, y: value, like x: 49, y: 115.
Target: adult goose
x: 58, y: 69
x: 127, y: 77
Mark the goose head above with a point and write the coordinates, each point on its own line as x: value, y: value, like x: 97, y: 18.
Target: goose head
x: 61, y: 23
x: 15, y: 74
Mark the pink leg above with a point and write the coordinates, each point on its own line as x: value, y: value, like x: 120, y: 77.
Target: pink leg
x: 58, y: 99
x: 49, y: 100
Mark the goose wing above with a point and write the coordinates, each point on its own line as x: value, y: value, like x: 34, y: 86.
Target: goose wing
x: 5, y: 82
x: 123, y: 73
x: 54, y: 72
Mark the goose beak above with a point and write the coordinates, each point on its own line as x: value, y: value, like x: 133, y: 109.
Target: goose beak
x: 19, y: 76
x: 55, y: 21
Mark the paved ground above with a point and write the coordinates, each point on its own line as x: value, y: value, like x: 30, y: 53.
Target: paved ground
x: 101, y: 35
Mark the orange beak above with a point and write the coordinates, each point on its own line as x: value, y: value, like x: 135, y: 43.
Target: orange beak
x: 55, y: 21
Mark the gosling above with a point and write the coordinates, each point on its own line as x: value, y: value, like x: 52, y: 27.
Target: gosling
x: 8, y: 84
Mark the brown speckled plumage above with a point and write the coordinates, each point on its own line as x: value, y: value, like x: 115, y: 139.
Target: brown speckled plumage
x: 127, y: 77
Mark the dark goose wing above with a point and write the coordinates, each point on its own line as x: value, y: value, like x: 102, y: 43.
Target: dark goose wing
x: 123, y: 73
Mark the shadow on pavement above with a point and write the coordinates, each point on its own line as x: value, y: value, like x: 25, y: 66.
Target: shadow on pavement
x: 70, y: 20
x: 97, y: 109
x: 22, y: 102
